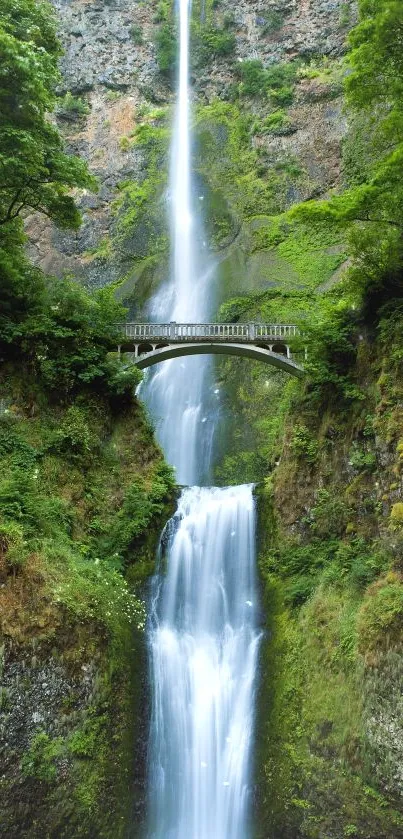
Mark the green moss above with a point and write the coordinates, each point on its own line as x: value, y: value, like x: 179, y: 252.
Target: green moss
x: 381, y: 616
x: 396, y: 514
x: 312, y: 745
x: 311, y: 254
x: 141, y: 226
x: 39, y: 761
x: 229, y: 165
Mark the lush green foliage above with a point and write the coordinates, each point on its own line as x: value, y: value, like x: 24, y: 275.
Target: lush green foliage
x: 36, y: 172
x: 371, y: 208
x: 65, y: 336
x: 78, y: 500
x: 275, y: 81
x: 277, y: 122
x: 167, y: 49
x: 209, y: 42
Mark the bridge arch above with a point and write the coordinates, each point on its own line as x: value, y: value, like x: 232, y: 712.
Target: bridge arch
x: 277, y: 360
x: 145, y: 347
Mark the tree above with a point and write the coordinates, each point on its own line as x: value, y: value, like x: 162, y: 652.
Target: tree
x: 376, y: 56
x: 371, y: 208
x: 35, y: 171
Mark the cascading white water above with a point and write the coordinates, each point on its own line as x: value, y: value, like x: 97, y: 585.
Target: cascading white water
x: 203, y: 638
x: 204, y: 646
x: 175, y: 392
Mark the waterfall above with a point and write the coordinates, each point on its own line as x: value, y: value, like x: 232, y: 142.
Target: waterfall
x: 202, y: 633
x: 176, y: 393
x: 204, y: 646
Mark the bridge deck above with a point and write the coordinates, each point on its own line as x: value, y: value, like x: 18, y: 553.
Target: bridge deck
x: 242, y: 333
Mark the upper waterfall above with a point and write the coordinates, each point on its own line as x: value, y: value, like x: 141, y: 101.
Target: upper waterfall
x: 178, y: 393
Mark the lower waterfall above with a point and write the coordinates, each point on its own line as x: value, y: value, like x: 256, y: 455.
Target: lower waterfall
x: 204, y: 641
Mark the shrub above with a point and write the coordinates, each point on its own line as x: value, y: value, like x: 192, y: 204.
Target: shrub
x: 167, y: 49
x: 361, y: 460
x: 162, y: 12
x: 273, y: 21
x: 282, y: 95
x: 345, y: 15
x: 253, y: 78
x: 396, y: 515
x: 74, y: 438
x: 303, y: 444
x: 140, y: 505
x: 356, y: 563
x: 83, y: 742
x: 124, y: 143
x: 330, y: 514
x: 213, y: 43
x: 275, y: 81
x: 229, y: 20
x: 70, y: 338
x: 136, y: 34
x: 14, y: 448
x: 276, y: 123
x: 12, y: 544
x: 36, y: 513
x: 71, y: 107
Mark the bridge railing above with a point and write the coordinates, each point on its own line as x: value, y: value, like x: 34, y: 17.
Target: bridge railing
x: 216, y: 331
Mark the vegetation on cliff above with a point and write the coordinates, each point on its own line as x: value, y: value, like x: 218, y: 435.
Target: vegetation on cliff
x: 83, y: 490
x: 330, y: 742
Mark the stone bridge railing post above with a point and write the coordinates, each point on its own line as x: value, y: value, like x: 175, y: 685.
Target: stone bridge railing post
x: 252, y: 331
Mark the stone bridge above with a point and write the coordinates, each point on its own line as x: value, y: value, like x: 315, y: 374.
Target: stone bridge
x: 151, y: 343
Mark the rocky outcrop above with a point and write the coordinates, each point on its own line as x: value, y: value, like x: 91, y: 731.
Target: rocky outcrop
x: 279, y: 30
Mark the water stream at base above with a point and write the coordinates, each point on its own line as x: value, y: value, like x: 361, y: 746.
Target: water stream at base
x: 202, y: 634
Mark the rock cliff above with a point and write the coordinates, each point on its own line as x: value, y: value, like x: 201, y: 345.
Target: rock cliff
x: 112, y: 65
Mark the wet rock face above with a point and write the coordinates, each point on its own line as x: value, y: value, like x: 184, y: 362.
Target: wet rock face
x: 115, y: 75
x: 99, y: 45
x: 279, y: 30
x: 41, y: 695
x: 282, y: 29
